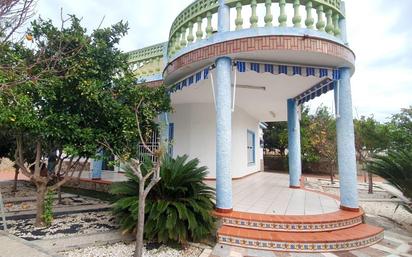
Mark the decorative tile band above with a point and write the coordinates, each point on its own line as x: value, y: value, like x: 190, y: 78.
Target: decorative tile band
x: 299, y: 246
x: 262, y: 43
x: 293, y: 227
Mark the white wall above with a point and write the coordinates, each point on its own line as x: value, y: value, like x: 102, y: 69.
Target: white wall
x: 195, y: 135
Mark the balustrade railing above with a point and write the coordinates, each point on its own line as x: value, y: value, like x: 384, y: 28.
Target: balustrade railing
x: 147, y: 61
x: 195, y: 23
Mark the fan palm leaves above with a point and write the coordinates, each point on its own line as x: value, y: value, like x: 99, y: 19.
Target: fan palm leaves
x: 396, y: 168
x: 179, y: 208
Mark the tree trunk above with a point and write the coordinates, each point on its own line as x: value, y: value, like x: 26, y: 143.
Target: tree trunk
x: 140, y: 221
x: 370, y: 180
x: 41, y: 193
x: 16, y: 177
x: 332, y: 175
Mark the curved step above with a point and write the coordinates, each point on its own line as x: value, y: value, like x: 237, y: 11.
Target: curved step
x: 293, y: 223
x: 345, y: 239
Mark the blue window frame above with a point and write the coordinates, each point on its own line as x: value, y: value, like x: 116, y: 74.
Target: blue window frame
x: 251, y: 147
x: 171, y: 137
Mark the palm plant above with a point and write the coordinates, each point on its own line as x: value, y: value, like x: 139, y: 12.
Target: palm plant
x: 179, y: 208
x: 396, y: 168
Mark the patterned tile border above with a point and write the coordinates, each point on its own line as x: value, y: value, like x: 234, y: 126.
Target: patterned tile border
x: 300, y: 247
x: 298, y: 226
x: 262, y: 43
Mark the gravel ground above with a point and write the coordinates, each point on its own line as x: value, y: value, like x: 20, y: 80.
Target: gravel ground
x: 67, y: 225
x: 14, y: 201
x: 377, y: 204
x: 390, y: 211
x: 126, y: 250
x: 24, y: 189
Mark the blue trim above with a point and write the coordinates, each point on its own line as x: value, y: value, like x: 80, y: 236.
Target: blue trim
x: 269, y: 68
x: 171, y: 137
x: 255, y: 67
x: 283, y: 69
x: 297, y: 70
x: 205, y: 73
x: 241, y: 66
x: 198, y: 76
x: 310, y: 71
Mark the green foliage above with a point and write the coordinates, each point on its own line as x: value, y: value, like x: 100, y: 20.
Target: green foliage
x: 179, y: 208
x: 371, y: 137
x: 80, y: 90
x: 400, y: 130
x: 276, y: 136
x: 396, y: 168
x: 48, y: 208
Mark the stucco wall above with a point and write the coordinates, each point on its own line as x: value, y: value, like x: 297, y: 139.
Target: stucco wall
x: 195, y: 135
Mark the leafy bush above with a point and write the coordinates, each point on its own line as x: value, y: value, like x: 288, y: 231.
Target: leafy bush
x: 48, y: 208
x: 396, y: 168
x: 179, y: 208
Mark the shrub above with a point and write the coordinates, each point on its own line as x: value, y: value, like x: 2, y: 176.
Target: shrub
x: 48, y: 208
x: 396, y: 168
x: 179, y: 208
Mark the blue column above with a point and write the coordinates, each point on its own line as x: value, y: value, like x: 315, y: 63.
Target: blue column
x: 294, y: 151
x: 223, y: 134
x: 97, y: 167
x: 346, y: 142
x: 223, y: 17
x: 342, y: 24
x: 223, y: 93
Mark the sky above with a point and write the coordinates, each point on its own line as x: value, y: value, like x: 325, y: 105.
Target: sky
x: 379, y: 32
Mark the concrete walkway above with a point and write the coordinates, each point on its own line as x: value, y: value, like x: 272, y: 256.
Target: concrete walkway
x: 11, y: 246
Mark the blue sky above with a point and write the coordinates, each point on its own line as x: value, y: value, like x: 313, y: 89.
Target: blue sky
x: 379, y: 31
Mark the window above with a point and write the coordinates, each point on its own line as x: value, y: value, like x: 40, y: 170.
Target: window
x: 250, y: 147
x: 171, y: 137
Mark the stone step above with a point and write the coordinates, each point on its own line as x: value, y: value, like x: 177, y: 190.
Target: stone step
x: 292, y: 223
x: 355, y: 237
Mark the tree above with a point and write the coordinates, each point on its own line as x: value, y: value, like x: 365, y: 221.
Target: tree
x: 400, y: 130
x: 309, y: 153
x: 84, y: 96
x: 371, y: 137
x: 147, y: 178
x: 13, y: 15
x: 276, y: 137
x: 322, y: 131
x: 396, y: 168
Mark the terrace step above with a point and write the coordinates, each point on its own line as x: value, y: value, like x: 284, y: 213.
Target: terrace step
x: 359, y: 236
x: 292, y: 223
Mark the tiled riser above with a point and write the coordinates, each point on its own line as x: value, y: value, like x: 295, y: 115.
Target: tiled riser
x: 309, y: 227
x: 300, y: 247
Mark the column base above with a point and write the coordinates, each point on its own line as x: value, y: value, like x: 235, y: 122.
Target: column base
x: 219, y: 210
x: 344, y: 208
x: 295, y: 187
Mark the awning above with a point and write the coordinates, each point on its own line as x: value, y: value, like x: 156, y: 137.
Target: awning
x: 329, y: 74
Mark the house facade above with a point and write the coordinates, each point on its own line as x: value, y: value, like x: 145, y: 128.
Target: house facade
x: 232, y: 65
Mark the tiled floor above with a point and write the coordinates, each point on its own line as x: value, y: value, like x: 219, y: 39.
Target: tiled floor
x: 269, y: 193
x: 265, y: 193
